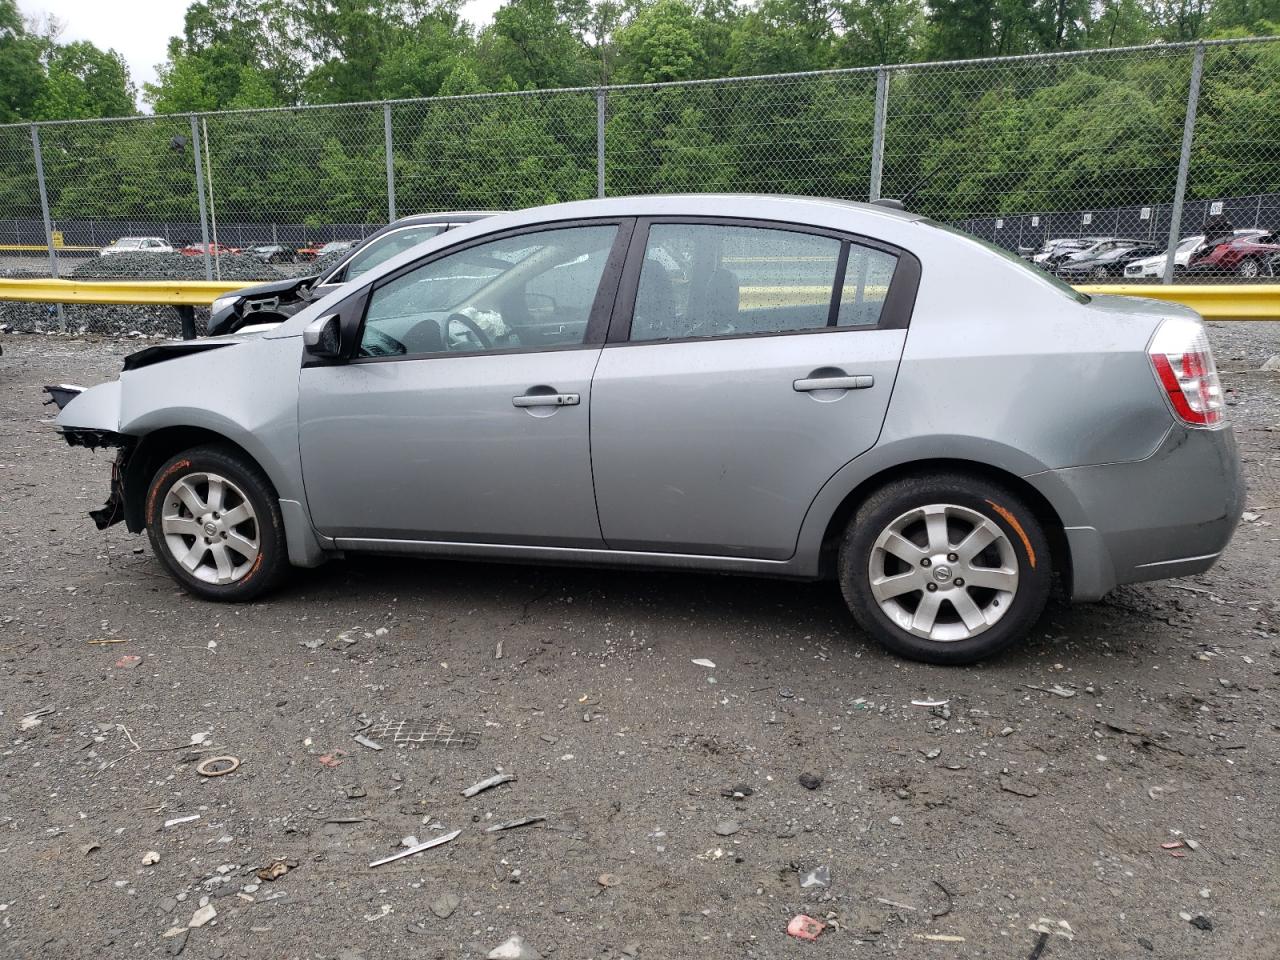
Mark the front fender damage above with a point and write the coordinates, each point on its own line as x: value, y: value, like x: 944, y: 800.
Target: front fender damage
x: 112, y: 512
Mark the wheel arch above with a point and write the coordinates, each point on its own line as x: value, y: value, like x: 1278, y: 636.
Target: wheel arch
x: 157, y: 446
x: 1043, y: 510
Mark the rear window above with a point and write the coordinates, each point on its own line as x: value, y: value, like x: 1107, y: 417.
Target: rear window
x: 1046, y: 278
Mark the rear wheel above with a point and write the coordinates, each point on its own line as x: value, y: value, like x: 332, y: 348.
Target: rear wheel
x: 945, y: 568
x: 1249, y: 269
x: 214, y: 521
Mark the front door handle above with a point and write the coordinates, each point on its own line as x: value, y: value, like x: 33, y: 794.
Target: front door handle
x: 546, y: 400
x: 809, y: 384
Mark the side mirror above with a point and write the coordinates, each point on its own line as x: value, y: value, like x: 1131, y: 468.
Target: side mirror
x: 323, y: 337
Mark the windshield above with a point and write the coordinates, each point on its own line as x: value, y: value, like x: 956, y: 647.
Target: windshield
x: 1015, y: 260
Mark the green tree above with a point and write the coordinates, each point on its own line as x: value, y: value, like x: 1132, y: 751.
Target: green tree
x: 529, y: 46
x: 22, y: 78
x: 83, y: 82
x: 661, y: 43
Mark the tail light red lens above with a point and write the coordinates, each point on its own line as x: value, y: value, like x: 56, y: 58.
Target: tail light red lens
x: 1184, y: 368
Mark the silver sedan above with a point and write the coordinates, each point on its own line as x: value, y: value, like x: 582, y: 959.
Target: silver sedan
x: 769, y: 386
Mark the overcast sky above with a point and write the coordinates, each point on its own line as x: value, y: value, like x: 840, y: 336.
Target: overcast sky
x: 140, y: 31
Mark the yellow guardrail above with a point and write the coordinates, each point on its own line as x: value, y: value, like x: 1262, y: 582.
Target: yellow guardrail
x: 193, y: 293
x: 1241, y: 301
x: 1213, y: 301
x: 44, y: 249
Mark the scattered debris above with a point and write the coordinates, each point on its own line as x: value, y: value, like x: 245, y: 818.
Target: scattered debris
x: 947, y: 893
x: 1041, y: 942
x: 32, y: 719
x: 929, y: 703
x: 805, y: 928
x: 276, y: 869
x: 484, y: 785
x: 88, y: 848
x: 333, y: 759
x: 1011, y: 785
x: 939, y: 937
x: 444, y: 905
x: 177, y: 820
x: 895, y: 903
x: 512, y: 824
x: 150, y: 858
x: 437, y: 841
x: 415, y: 733
x: 810, y: 781
x: 312, y: 644
x: 218, y: 766
x: 1056, y: 690
x: 178, y: 943
x: 1199, y: 921
x: 817, y: 877
x: 1057, y: 928
x: 608, y: 879
x: 727, y: 828
x: 203, y: 916
x: 128, y: 661
x: 497, y: 650
x: 704, y: 662
x: 514, y: 949
x: 739, y: 792
x: 106, y: 640
x: 364, y: 741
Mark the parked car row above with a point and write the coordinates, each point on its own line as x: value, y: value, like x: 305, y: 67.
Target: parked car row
x: 268, y: 251
x: 1246, y: 254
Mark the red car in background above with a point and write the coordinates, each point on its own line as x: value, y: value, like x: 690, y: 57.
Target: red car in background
x: 1245, y: 257
x: 215, y: 249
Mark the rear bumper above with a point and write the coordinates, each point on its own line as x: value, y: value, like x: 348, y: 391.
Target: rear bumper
x: 1170, y: 515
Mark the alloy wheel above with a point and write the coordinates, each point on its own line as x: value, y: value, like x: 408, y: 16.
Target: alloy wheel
x: 210, y: 528
x: 943, y: 572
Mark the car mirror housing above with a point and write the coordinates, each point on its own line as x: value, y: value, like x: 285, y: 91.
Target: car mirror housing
x: 323, y: 337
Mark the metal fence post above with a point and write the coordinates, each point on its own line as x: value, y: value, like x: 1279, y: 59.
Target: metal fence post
x: 877, y: 135
x: 391, y: 165
x: 44, y: 212
x: 1184, y: 162
x: 44, y: 199
x: 600, y: 142
x: 204, y: 213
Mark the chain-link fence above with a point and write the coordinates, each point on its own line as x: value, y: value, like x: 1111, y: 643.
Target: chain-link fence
x: 1090, y: 163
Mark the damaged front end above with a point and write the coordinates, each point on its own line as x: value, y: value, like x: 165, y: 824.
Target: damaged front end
x: 89, y: 418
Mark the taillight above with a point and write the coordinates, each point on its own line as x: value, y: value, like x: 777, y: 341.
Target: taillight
x: 1184, y: 367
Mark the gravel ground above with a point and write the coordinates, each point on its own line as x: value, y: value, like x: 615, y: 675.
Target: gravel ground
x: 1138, y: 804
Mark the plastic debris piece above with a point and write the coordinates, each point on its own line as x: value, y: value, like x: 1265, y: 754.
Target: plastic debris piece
x: 366, y: 742
x: 483, y: 785
x: 128, y: 661
x: 514, y: 949
x: 939, y: 937
x: 431, y: 732
x: 817, y: 877
x: 150, y: 858
x: 805, y: 928
x: 704, y: 662
x: 177, y: 820
x: 929, y: 703
x: 1057, y: 928
x: 203, y: 916
x: 435, y: 842
x: 512, y: 824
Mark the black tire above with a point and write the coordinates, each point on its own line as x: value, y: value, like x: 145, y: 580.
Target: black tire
x: 1249, y: 268
x: 266, y: 526
x: 1023, y: 535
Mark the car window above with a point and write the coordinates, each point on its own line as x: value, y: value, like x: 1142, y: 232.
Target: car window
x: 866, y: 284
x: 713, y: 280
x: 534, y: 290
x: 384, y: 248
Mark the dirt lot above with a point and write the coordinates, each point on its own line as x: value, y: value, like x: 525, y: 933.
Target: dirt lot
x: 1144, y: 792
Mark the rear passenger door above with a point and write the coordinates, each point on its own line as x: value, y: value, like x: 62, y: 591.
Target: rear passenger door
x: 746, y: 363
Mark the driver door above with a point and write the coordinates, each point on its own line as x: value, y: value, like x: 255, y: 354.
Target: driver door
x: 464, y: 414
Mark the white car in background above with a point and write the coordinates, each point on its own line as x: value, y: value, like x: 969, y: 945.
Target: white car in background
x: 137, y: 245
x: 1153, y: 267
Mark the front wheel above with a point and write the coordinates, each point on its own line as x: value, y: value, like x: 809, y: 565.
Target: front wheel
x: 945, y: 568
x: 1249, y: 269
x: 214, y: 521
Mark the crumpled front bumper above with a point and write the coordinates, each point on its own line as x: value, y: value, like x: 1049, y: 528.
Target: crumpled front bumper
x: 90, y: 418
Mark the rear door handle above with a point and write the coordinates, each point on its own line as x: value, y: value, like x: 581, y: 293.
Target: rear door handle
x: 547, y: 400
x: 809, y: 384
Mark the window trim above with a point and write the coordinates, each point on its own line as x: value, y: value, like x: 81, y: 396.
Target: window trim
x: 597, y: 318
x: 899, y: 301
